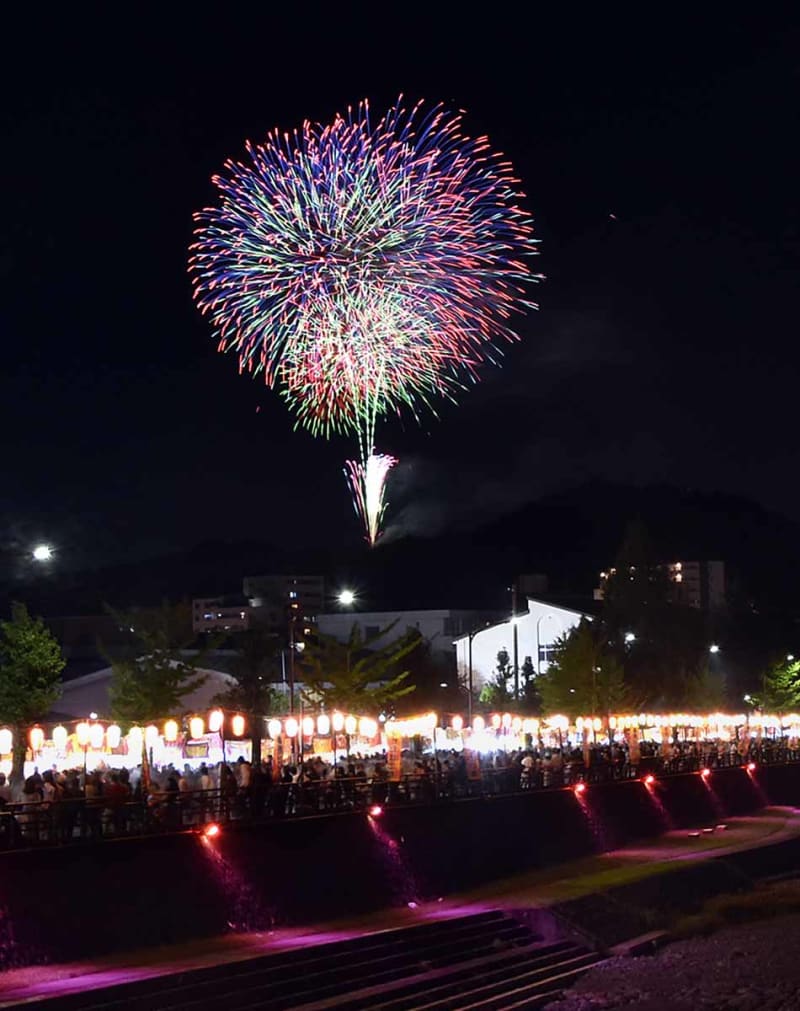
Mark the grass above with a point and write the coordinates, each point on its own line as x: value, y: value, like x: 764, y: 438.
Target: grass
x: 764, y: 902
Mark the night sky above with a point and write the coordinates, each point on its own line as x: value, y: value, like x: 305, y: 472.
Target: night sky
x: 659, y: 160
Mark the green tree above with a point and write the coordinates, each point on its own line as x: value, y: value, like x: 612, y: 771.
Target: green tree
x: 153, y: 683
x: 253, y: 670
x: 353, y: 675
x: 584, y: 677
x: 496, y: 693
x: 780, y: 691
x: 31, y: 663
x: 531, y: 696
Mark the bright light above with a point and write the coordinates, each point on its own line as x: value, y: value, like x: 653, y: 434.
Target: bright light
x: 237, y: 725
x: 274, y: 729
x: 291, y: 727
x: 705, y: 773
x: 478, y: 724
x: 790, y: 657
x: 36, y: 738
x: 212, y: 830
x: 579, y: 788
x: 375, y: 811
x: 171, y: 731
x: 457, y: 723
x: 714, y: 648
x: 630, y: 637
x: 196, y: 726
x: 751, y: 766
x: 338, y: 723
x: 350, y: 725
x: 6, y: 741
x: 215, y: 719
x: 82, y: 733
x: 308, y: 726
x: 346, y: 598
x: 649, y: 780
x: 113, y: 736
x: 42, y: 553
x: 323, y: 725
x: 748, y: 698
x: 59, y: 737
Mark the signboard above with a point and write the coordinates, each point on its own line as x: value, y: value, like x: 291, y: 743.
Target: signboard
x: 394, y: 757
x: 195, y: 749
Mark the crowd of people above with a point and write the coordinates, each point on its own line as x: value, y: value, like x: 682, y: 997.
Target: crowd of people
x: 63, y: 806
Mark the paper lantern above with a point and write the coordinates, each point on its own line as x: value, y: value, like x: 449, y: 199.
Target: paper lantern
x: 96, y: 734
x: 171, y: 731
x: 457, y: 723
x: 308, y: 726
x: 323, y: 725
x: 6, y: 742
x: 274, y: 729
x: 478, y: 724
x: 135, y: 740
x: 291, y: 727
x: 495, y: 721
x: 151, y: 735
x: 36, y: 738
x: 237, y: 725
x: 82, y: 734
x: 59, y: 737
x: 113, y: 736
x: 215, y: 719
x: 338, y: 723
x: 197, y: 726
x: 350, y: 725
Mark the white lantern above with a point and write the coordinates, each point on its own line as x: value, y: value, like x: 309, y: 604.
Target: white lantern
x: 274, y: 729
x: 215, y: 719
x: 59, y: 737
x: 96, y: 734
x: 113, y: 735
x: 323, y: 725
x: 6, y: 742
x: 197, y: 726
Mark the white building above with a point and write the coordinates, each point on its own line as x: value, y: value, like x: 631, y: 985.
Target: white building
x: 536, y: 633
x: 439, y: 628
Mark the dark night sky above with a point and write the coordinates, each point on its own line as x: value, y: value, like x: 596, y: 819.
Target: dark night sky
x: 665, y: 348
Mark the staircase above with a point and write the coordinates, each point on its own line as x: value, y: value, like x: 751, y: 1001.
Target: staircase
x: 485, y: 961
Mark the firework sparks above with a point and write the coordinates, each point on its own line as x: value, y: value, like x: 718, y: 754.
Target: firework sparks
x: 365, y: 268
x: 368, y: 485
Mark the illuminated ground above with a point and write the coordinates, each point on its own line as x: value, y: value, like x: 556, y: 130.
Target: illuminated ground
x: 538, y: 888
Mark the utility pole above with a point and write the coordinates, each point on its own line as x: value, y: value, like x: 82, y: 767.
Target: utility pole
x: 515, y: 639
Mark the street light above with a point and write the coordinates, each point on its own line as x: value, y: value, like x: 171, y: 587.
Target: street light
x: 713, y: 648
x: 42, y: 553
x: 346, y: 598
x: 630, y: 637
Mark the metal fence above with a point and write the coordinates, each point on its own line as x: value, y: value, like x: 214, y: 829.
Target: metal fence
x: 74, y: 820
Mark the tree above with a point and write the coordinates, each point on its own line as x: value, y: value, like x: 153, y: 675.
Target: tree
x: 253, y: 668
x: 584, y: 678
x: 531, y: 696
x: 31, y: 663
x: 153, y: 683
x: 495, y: 693
x: 780, y: 691
x: 354, y: 676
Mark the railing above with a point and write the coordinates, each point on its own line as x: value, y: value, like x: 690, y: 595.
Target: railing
x: 77, y: 819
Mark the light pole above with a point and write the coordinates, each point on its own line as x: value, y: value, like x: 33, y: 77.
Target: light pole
x: 539, y: 621
x: 515, y: 638
x: 470, y: 636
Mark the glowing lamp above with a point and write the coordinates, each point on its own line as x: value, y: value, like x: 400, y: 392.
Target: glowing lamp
x: 596, y: 723
x: 197, y: 726
x: 6, y: 742
x: 237, y: 725
x: 59, y: 737
x: 171, y: 731
x: 274, y: 729
x: 36, y: 738
x: 113, y: 736
x: 151, y: 735
x: 135, y: 740
x: 323, y: 725
x: 751, y: 766
x: 308, y: 726
x: 291, y: 727
x: 478, y: 724
x: 338, y: 723
x: 705, y: 773
x: 367, y: 727
x: 375, y: 811
x: 212, y: 830
x: 516, y: 724
x: 96, y: 735
x: 612, y: 723
x: 215, y: 719
x: 350, y: 725
x: 457, y: 723
x: 579, y: 788
x: 82, y: 734
x: 496, y: 721
x: 649, y: 780
x: 579, y: 724
x: 506, y: 721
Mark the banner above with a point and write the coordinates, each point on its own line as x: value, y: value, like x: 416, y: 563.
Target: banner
x: 394, y: 757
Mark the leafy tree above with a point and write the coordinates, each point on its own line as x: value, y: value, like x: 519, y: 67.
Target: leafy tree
x: 584, y: 677
x: 253, y: 668
x: 496, y: 693
x: 31, y: 663
x: 153, y: 683
x: 780, y: 691
x: 531, y: 697
x: 353, y: 675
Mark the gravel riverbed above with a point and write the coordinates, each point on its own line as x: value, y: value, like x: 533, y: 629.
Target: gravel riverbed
x: 743, y: 968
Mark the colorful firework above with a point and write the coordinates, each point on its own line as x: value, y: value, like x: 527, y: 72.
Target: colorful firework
x: 367, y: 482
x: 365, y: 269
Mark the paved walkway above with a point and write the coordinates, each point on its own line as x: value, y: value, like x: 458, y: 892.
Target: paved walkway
x: 534, y: 889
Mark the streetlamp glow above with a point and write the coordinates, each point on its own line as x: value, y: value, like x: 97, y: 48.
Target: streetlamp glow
x: 42, y: 553
x: 347, y: 598
x: 630, y: 637
x: 714, y: 648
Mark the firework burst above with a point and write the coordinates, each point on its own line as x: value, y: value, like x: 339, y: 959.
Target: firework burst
x: 365, y: 268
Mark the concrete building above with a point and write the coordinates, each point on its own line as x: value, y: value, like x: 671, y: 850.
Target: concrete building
x: 537, y: 631
x: 694, y: 584
x: 213, y: 614
x: 274, y: 602
x: 439, y: 628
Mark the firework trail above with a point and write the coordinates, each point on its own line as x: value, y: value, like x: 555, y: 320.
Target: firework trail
x: 364, y: 269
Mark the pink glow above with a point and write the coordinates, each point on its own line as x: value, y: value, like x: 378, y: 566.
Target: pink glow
x: 705, y: 773
x: 751, y: 766
x: 649, y: 780
x: 579, y: 788
x: 212, y: 830
x: 375, y: 811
